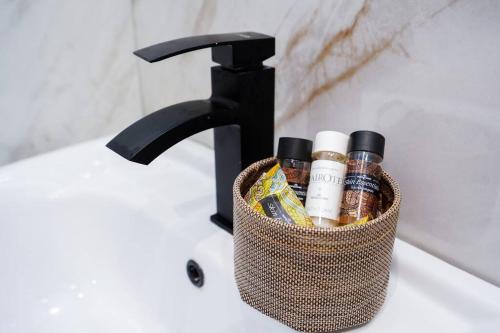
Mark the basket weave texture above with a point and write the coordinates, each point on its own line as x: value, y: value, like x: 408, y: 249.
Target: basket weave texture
x: 310, y: 279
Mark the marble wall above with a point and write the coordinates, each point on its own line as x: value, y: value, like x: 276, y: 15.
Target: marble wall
x: 66, y: 74
x: 424, y: 73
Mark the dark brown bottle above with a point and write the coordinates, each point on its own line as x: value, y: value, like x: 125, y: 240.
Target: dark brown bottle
x: 362, y: 181
x: 294, y: 157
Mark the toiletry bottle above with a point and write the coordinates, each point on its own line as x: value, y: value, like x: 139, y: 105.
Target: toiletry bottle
x: 326, y: 183
x: 294, y: 157
x: 362, y: 180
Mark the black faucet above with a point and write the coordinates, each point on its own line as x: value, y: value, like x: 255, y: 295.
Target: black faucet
x: 240, y: 109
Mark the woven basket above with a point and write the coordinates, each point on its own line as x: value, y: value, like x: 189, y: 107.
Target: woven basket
x: 310, y: 279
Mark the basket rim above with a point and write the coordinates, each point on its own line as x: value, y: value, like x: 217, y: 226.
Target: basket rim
x: 394, y: 209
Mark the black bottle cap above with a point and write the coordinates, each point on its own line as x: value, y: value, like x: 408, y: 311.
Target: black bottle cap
x: 295, y: 148
x: 372, y: 142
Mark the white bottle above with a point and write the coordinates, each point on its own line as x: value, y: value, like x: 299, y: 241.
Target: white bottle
x: 326, y: 183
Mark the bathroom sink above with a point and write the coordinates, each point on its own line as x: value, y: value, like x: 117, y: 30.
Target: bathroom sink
x: 93, y: 243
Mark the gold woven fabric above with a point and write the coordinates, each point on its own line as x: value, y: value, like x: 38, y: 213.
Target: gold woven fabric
x: 312, y: 280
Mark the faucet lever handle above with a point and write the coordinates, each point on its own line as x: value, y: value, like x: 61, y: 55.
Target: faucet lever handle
x: 233, y: 50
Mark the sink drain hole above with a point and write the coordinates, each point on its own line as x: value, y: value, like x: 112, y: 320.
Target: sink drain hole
x: 195, y: 273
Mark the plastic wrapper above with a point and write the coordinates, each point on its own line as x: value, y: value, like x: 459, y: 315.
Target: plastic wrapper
x: 272, y: 196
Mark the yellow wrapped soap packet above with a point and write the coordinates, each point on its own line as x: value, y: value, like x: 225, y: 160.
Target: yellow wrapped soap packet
x: 273, y: 197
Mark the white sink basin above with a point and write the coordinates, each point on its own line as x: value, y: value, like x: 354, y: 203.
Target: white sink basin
x: 93, y: 243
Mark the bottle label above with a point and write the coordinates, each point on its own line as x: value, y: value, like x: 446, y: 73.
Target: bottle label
x: 298, y: 179
x: 300, y: 190
x: 326, y: 185
x: 362, y: 182
x: 361, y: 191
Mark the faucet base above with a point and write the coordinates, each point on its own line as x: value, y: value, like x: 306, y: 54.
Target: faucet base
x: 222, y: 222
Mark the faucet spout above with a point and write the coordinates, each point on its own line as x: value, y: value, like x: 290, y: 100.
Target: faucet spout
x: 150, y: 136
x: 240, y: 110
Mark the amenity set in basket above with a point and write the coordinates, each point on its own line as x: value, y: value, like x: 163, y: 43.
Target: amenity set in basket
x: 314, y: 230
